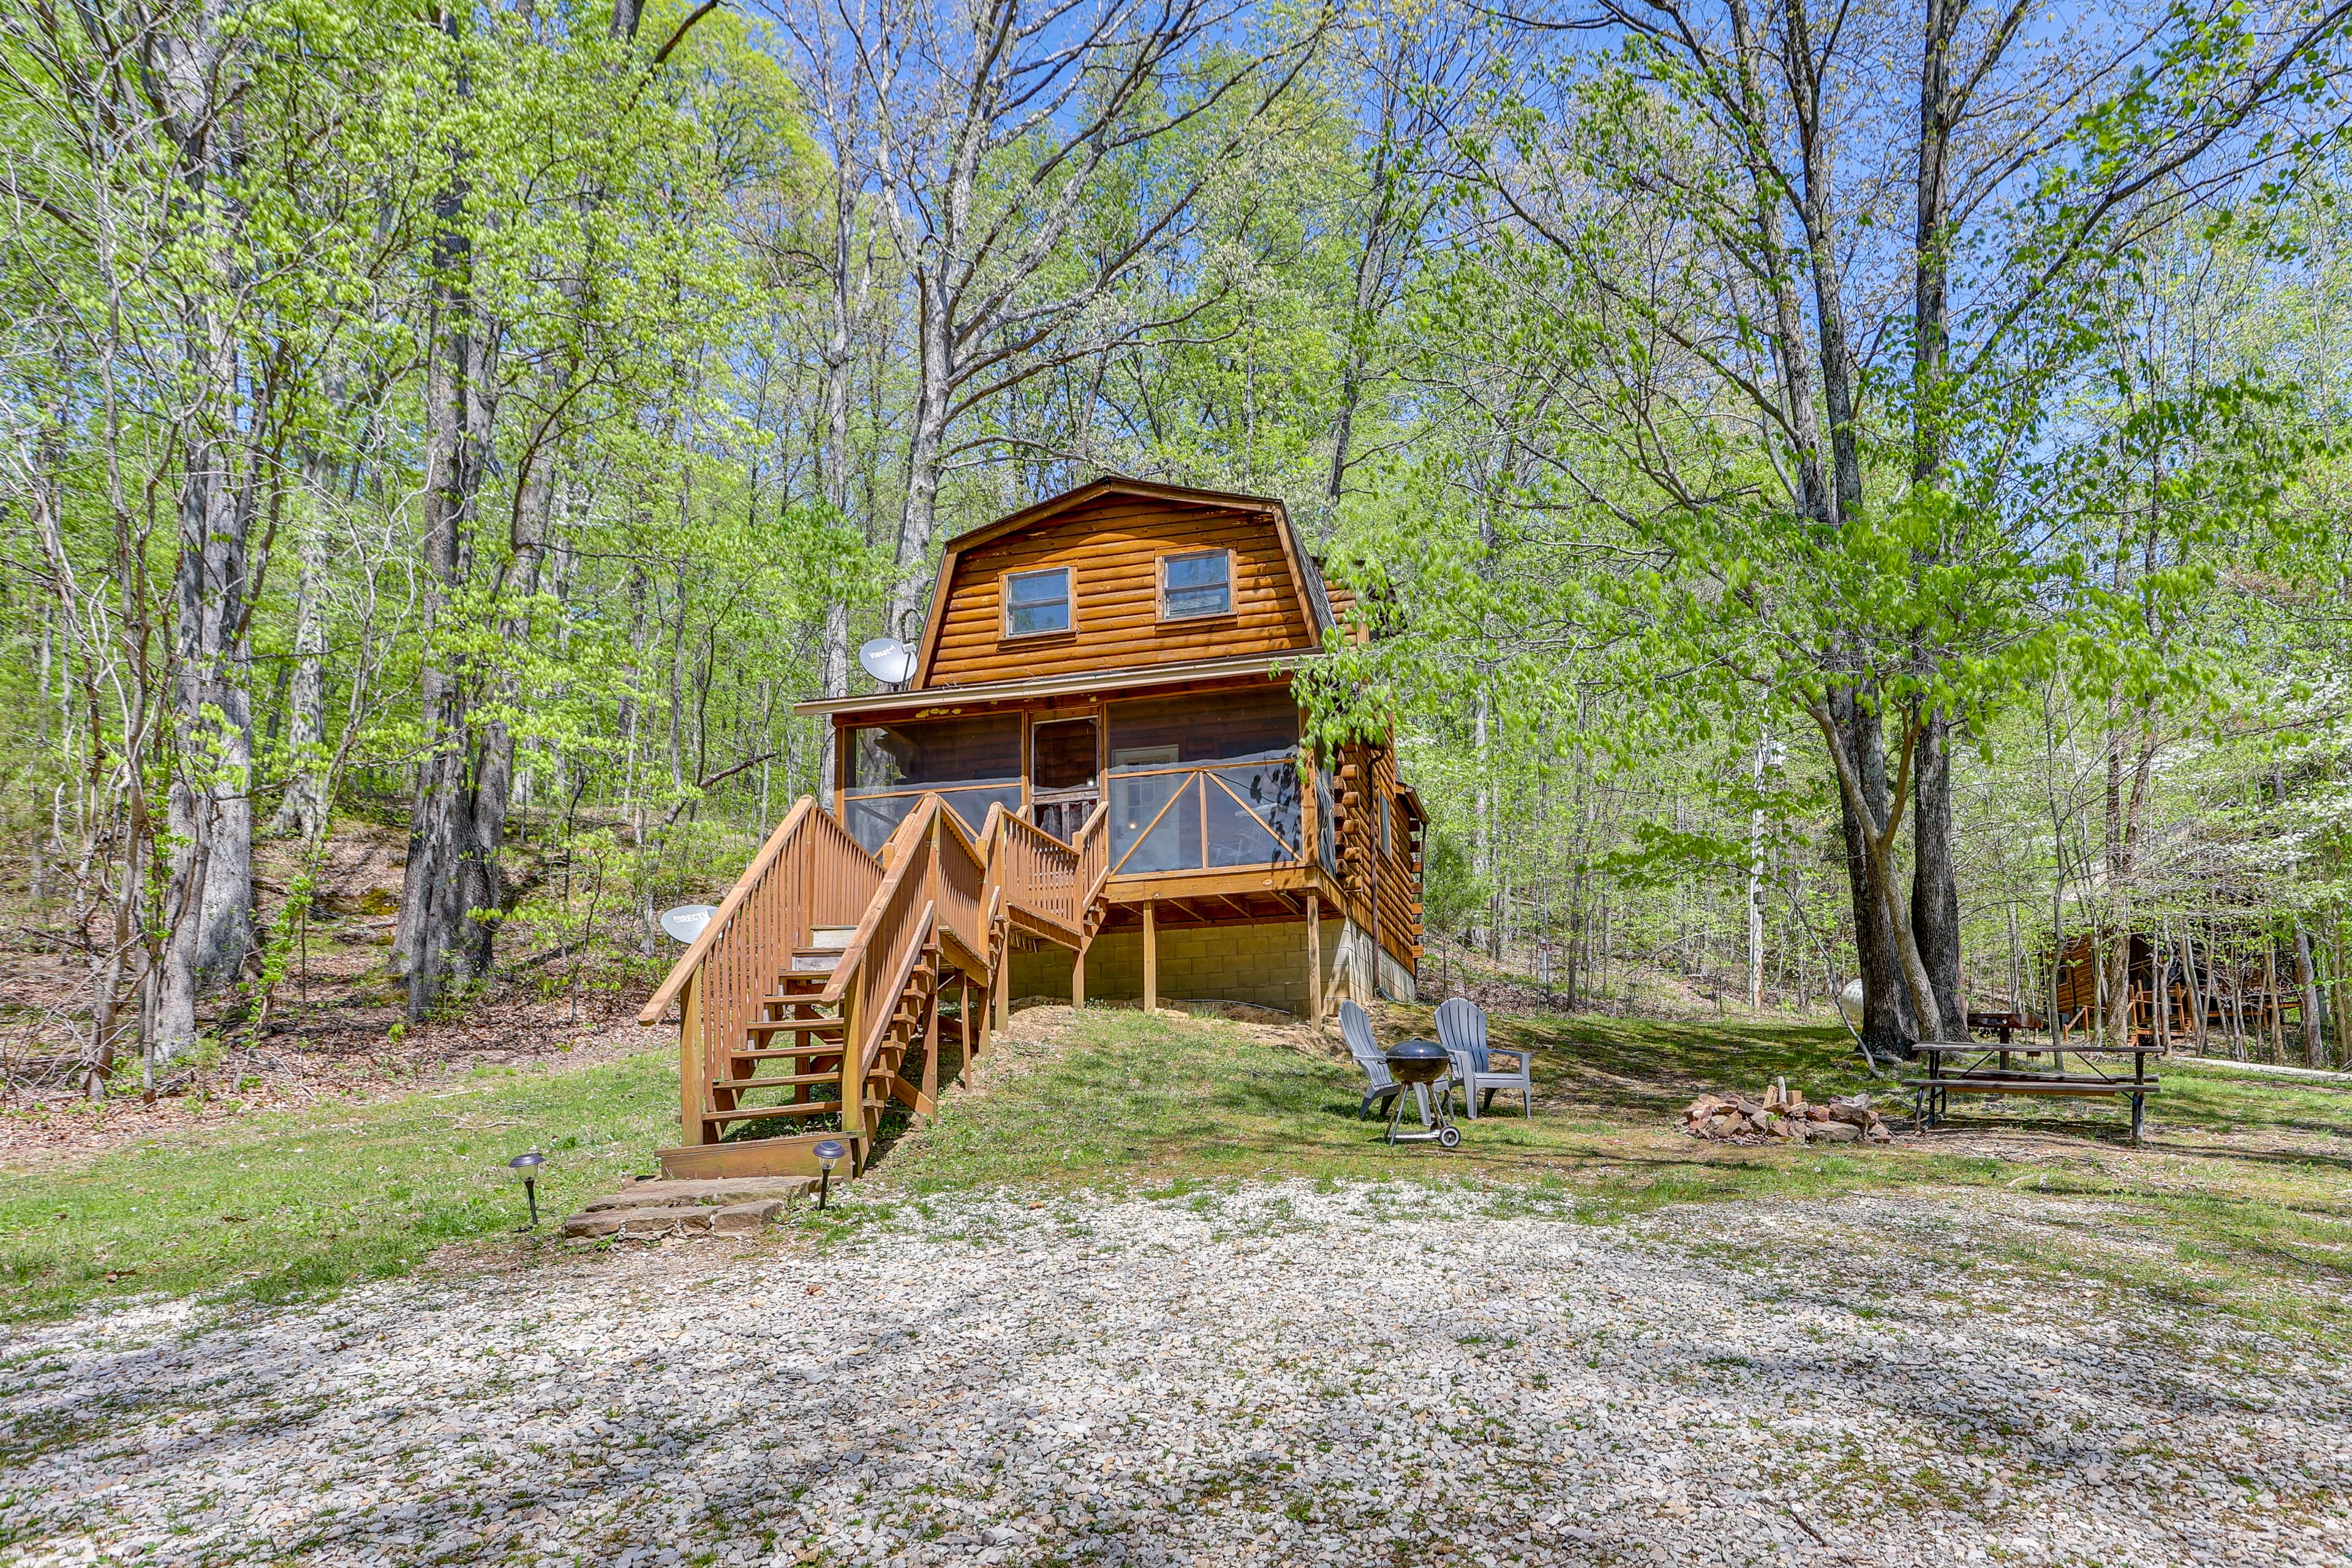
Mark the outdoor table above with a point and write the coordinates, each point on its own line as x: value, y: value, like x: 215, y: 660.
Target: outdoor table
x: 1973, y: 1067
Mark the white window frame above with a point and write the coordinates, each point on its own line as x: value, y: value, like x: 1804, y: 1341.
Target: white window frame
x: 1070, y: 601
x: 1195, y: 555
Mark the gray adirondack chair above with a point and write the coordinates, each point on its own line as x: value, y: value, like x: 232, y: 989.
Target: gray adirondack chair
x: 1356, y: 1029
x: 1462, y: 1030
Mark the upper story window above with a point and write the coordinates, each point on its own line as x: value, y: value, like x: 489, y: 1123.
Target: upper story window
x: 1201, y: 583
x: 1037, y: 602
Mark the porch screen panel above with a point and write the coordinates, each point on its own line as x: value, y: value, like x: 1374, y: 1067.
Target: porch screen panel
x: 1251, y: 812
x: 969, y: 761
x: 1155, y: 822
x: 1208, y: 727
x: 1220, y: 787
x: 871, y: 819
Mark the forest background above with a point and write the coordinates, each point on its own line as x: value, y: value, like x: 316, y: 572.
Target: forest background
x: 1833, y: 491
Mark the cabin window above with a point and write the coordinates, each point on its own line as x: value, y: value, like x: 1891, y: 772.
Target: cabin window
x: 973, y: 763
x: 1037, y: 602
x: 1195, y: 586
x: 1388, y: 838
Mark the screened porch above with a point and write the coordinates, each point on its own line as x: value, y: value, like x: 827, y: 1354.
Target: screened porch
x: 1194, y: 782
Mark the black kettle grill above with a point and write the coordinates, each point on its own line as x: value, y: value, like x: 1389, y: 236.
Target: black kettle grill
x: 1423, y: 1066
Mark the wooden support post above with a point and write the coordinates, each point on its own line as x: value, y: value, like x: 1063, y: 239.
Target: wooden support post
x: 963, y: 1026
x: 691, y: 1072
x: 853, y: 1079
x: 1315, y: 959
x: 1151, y: 957
x: 1078, y: 981
x: 1002, y: 984
x: 931, y: 1084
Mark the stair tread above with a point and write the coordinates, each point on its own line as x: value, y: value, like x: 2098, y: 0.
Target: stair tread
x: 776, y: 1080
x: 778, y: 1053
x: 809, y: 1026
x: 753, y: 1112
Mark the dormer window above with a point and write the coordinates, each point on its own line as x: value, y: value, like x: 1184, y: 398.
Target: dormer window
x: 1198, y: 584
x: 1037, y: 602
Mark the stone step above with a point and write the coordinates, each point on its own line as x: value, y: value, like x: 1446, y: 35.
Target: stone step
x: 740, y: 1205
x: 678, y: 1220
x: 715, y: 1191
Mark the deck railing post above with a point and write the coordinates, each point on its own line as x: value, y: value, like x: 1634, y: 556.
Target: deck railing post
x: 691, y: 1055
x: 1315, y: 960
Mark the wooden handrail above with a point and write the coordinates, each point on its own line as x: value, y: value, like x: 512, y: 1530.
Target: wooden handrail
x: 853, y: 956
x: 935, y: 881
x: 931, y: 817
x: 918, y: 935
x: 1093, y: 845
x: 692, y: 959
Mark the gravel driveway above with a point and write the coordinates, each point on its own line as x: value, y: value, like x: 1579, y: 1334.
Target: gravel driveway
x: 1279, y: 1375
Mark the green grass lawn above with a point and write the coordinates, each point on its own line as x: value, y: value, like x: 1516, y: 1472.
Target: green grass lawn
x: 282, y: 1204
x: 2246, y: 1186
x: 2259, y: 1225
x: 1132, y: 1097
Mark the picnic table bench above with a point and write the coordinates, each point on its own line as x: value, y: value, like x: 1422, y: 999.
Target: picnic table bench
x: 1973, y: 1067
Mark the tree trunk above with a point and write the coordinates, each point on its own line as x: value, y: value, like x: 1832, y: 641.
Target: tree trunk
x: 1935, y: 889
x: 1756, y: 884
x: 302, y: 812
x: 834, y: 461
x: 2306, y: 973
x: 1481, y: 844
x: 210, y: 886
x: 443, y: 837
x: 924, y: 447
x: 1889, y: 1022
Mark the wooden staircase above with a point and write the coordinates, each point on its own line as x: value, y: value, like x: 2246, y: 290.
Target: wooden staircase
x: 802, y: 1018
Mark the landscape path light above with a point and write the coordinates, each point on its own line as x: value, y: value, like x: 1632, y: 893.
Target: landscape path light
x: 527, y: 1167
x: 828, y: 1156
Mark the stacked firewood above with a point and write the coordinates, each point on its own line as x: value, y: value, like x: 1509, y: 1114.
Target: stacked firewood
x: 1783, y: 1113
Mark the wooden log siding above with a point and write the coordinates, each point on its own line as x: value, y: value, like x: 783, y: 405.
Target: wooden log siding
x: 1112, y: 547
x: 1399, y: 884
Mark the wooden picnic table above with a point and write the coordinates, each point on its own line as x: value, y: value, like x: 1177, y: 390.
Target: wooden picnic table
x: 2002, y: 1024
x: 1974, y: 1067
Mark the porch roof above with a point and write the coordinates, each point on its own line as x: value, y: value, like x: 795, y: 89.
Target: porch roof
x: 1083, y: 683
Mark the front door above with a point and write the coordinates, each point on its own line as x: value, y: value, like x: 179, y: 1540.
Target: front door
x: 1063, y: 764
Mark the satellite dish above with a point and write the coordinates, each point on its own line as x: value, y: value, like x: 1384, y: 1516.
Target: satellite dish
x: 888, y: 659
x: 685, y: 922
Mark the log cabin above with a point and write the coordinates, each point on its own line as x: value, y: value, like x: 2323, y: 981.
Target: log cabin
x: 2219, y: 984
x: 1092, y: 786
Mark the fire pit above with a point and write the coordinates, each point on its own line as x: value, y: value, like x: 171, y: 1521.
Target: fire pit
x: 1424, y: 1067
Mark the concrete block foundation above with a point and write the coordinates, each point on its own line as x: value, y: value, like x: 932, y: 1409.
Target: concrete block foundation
x: 1264, y: 964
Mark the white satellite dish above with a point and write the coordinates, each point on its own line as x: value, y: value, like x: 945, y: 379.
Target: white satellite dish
x: 888, y: 659
x: 685, y: 922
